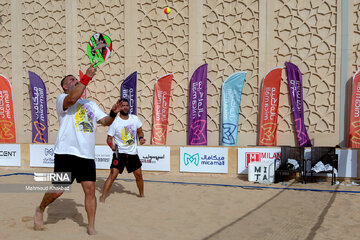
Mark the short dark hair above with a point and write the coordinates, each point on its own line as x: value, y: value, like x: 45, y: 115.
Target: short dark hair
x: 62, y: 81
x: 124, y: 100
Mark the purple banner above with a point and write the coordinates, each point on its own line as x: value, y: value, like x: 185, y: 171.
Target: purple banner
x: 197, y: 132
x: 294, y: 77
x: 39, y: 109
x: 128, y: 91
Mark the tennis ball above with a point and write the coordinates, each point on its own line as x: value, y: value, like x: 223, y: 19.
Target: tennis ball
x: 167, y: 10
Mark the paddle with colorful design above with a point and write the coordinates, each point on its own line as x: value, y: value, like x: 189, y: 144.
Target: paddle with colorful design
x: 99, y: 48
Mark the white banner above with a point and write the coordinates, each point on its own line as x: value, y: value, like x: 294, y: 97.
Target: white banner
x: 103, y: 157
x: 154, y: 158
x: 200, y: 159
x: 10, y: 155
x: 248, y: 155
x: 41, y: 155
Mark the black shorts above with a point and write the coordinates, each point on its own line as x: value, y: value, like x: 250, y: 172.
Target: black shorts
x: 82, y: 169
x: 131, y: 162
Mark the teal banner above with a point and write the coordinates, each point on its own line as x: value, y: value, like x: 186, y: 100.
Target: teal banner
x: 230, y: 108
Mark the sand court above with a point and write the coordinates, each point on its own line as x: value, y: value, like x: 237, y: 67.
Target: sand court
x: 218, y: 207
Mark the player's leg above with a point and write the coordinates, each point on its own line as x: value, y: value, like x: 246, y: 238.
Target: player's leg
x: 134, y: 165
x: 139, y: 181
x: 62, y: 163
x: 48, y: 198
x: 108, y: 183
x: 90, y: 204
x: 86, y: 175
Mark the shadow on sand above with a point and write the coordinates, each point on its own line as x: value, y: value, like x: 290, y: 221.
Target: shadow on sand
x: 115, y: 188
x: 64, y: 208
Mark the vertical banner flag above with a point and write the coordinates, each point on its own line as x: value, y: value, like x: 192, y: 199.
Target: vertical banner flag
x: 81, y: 74
x: 161, y: 109
x: 294, y: 77
x: 7, y: 119
x: 128, y: 91
x: 269, y: 107
x: 197, y: 132
x: 230, y: 107
x: 354, y: 128
x: 39, y: 109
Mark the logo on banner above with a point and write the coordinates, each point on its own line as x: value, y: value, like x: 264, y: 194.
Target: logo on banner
x: 205, y: 160
x: 160, y: 133
x: 198, y: 132
x: 356, y: 137
x: 103, y: 158
x: 228, y: 129
x: 40, y: 128
x: 5, y: 131
x: 191, y: 159
x: 49, y: 151
x: 7, y: 153
x: 152, y: 158
x: 301, y: 135
x: 251, y: 157
x: 269, y: 133
x: 258, y: 156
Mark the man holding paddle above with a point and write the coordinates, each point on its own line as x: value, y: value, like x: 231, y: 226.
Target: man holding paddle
x: 122, y: 138
x: 75, y: 143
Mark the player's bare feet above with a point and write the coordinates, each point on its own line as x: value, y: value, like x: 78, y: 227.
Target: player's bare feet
x: 38, y: 219
x: 91, y: 231
x: 102, y: 199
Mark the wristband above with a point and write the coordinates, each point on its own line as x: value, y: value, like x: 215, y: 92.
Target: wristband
x: 85, y: 80
x: 110, y: 144
x: 141, y: 138
x: 112, y: 114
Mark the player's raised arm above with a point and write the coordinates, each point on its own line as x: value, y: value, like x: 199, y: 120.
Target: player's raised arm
x: 108, y: 120
x: 75, y: 88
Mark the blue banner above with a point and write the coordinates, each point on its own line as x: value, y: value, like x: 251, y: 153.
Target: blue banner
x: 230, y: 107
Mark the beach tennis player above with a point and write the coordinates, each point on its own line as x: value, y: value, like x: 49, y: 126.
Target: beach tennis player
x: 75, y: 143
x: 123, y: 135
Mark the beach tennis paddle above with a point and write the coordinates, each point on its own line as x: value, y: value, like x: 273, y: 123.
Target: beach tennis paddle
x: 116, y: 151
x: 99, y: 48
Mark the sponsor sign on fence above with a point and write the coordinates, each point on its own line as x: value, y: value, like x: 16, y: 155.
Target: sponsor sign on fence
x: 10, y: 155
x: 210, y: 160
x: 248, y: 155
x: 154, y: 158
x: 103, y: 157
x: 41, y: 155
